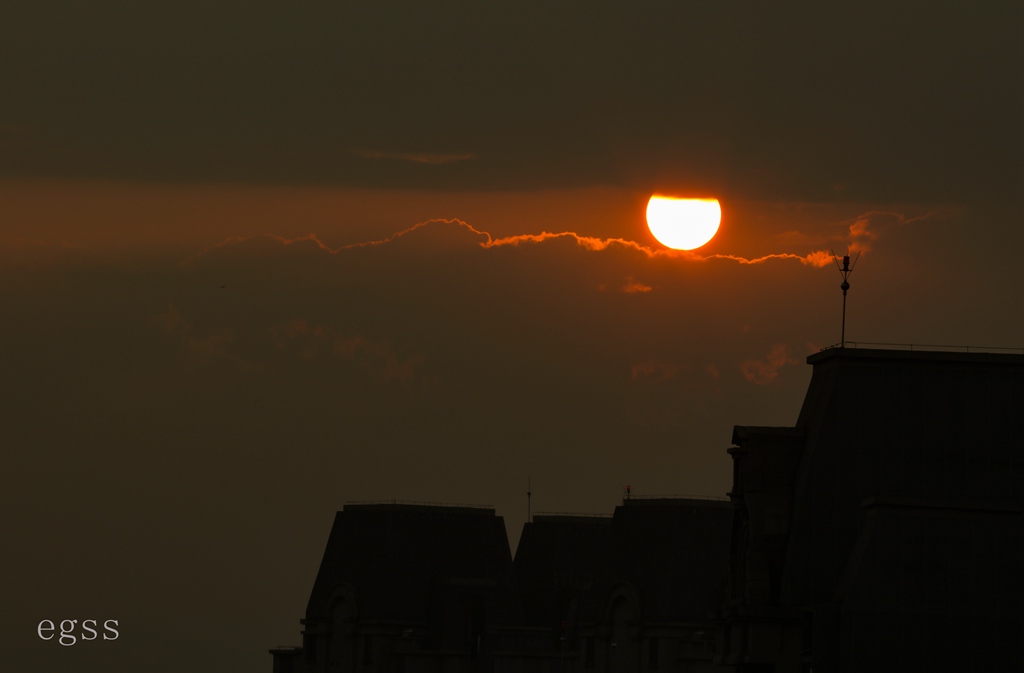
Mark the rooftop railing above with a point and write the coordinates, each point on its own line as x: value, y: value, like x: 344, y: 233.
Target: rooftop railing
x: 925, y: 347
x: 417, y: 504
x: 678, y: 496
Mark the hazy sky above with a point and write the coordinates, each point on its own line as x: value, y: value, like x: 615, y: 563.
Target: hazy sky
x: 201, y: 361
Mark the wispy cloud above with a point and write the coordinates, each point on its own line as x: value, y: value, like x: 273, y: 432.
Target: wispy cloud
x: 764, y: 371
x: 378, y: 360
x: 858, y: 234
x: 867, y: 228
x: 817, y: 258
x: 588, y: 242
x: 635, y: 286
x: 212, y: 347
x: 310, y: 240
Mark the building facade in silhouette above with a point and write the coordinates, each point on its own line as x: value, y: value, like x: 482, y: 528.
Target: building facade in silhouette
x: 408, y: 588
x: 882, y: 532
x: 636, y: 592
x: 417, y: 588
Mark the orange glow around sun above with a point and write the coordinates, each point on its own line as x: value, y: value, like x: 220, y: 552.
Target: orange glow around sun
x: 683, y: 224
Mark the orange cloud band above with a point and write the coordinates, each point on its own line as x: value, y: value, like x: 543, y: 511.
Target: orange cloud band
x: 818, y: 258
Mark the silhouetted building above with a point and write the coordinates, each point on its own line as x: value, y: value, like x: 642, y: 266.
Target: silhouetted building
x: 884, y: 531
x: 632, y: 593
x: 557, y: 563
x: 408, y: 588
x: 664, y: 577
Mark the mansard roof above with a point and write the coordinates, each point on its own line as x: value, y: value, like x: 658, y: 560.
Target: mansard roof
x: 557, y: 561
x: 673, y: 553
x: 401, y: 562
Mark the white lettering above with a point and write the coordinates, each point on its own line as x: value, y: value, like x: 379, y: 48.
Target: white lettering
x: 108, y: 627
x: 85, y: 625
x: 41, y: 628
x: 65, y: 632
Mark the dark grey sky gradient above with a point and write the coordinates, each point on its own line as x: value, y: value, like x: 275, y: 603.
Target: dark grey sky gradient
x: 869, y: 101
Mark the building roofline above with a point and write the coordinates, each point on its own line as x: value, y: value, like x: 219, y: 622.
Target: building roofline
x: 914, y: 355
x: 743, y: 432
x: 662, y: 501
x: 557, y: 517
x: 421, y: 507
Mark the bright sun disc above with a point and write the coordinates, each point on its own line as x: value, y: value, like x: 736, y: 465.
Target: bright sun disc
x: 683, y: 224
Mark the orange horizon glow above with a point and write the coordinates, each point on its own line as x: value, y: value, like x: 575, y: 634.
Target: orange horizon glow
x: 683, y: 224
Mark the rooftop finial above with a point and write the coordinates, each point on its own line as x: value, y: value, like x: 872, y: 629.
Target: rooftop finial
x: 529, y: 494
x: 846, y: 269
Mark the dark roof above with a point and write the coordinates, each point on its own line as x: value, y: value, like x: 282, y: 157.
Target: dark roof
x: 928, y: 426
x: 557, y: 561
x: 674, y: 552
x: 397, y: 561
x: 933, y: 356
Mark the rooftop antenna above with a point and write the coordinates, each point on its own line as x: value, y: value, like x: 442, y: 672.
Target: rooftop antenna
x: 846, y: 269
x: 628, y: 490
x: 529, y: 494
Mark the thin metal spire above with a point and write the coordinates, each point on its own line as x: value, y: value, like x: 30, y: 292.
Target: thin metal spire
x: 845, y: 270
x: 529, y: 494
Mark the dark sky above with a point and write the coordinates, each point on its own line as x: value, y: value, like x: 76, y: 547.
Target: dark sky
x: 918, y: 101
x: 200, y: 364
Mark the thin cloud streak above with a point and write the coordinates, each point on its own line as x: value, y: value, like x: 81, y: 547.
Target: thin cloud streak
x: 866, y: 229
x: 634, y: 286
x: 817, y: 258
x: 765, y: 371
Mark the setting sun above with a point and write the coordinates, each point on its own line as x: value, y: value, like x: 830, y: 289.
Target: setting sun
x: 683, y: 224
